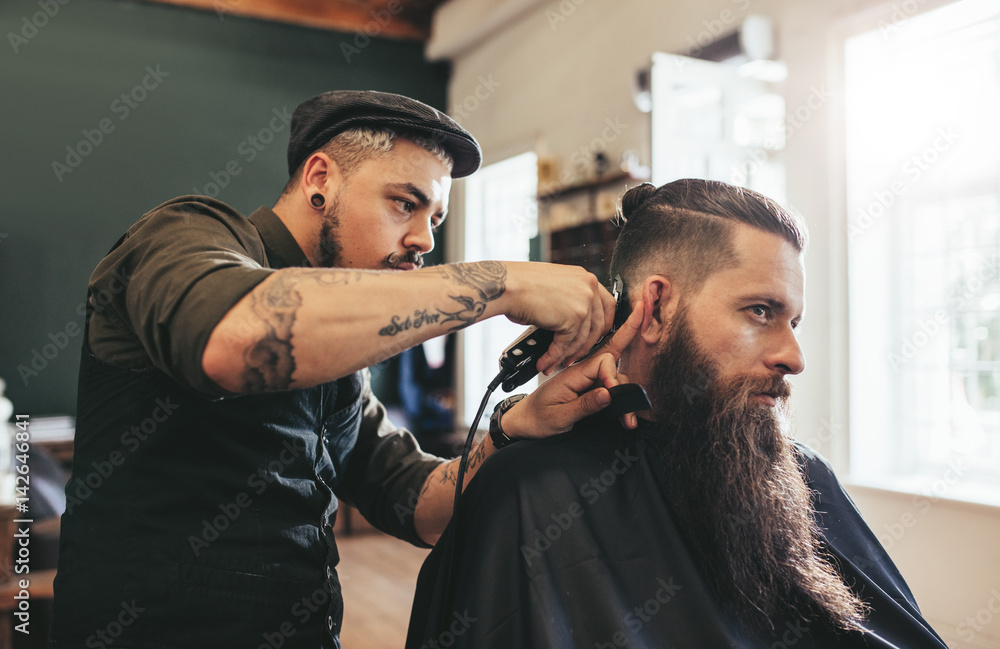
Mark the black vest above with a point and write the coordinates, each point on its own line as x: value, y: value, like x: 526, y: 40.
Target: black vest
x: 194, y: 522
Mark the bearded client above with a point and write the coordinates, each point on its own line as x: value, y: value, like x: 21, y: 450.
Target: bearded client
x: 704, y: 527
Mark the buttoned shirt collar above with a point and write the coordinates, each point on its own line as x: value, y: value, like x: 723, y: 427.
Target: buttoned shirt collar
x: 277, y: 237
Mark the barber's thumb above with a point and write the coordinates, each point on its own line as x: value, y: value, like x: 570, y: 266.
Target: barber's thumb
x: 595, y: 401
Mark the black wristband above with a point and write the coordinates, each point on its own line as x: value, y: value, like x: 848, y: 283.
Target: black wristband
x: 500, y: 438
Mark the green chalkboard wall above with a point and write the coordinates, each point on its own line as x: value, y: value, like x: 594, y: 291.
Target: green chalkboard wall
x: 110, y: 108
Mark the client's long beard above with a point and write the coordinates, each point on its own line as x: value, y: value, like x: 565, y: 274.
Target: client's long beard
x: 738, y: 493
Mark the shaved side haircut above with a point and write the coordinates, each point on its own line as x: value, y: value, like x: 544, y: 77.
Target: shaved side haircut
x: 684, y: 229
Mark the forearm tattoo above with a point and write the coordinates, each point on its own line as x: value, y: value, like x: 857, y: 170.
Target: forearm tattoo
x: 269, y: 363
x: 478, y: 456
x: 488, y: 281
x: 450, y: 474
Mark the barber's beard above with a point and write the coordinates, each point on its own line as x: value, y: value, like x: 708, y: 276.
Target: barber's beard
x: 329, y: 248
x: 738, y: 493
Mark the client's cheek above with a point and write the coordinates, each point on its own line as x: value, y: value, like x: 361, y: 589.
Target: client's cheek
x: 728, y: 366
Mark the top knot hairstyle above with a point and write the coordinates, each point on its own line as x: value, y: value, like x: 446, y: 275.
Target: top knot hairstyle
x: 684, y: 229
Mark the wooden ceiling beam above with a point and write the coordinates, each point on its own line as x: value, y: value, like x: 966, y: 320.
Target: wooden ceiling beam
x: 406, y: 19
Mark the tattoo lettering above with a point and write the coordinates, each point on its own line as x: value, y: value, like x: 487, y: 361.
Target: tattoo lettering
x: 417, y: 320
x: 487, y: 278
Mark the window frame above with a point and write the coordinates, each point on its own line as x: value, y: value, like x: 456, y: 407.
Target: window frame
x: 840, y: 446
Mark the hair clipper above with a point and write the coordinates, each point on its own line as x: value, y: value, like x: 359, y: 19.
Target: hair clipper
x: 519, y: 361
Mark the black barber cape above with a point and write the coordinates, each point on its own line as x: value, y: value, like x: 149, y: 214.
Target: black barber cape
x: 567, y: 542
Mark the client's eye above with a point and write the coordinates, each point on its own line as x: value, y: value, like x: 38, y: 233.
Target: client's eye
x: 762, y: 311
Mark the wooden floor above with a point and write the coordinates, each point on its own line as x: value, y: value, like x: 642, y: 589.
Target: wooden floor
x: 377, y: 574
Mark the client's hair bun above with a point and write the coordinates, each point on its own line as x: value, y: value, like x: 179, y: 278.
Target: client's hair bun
x: 634, y: 198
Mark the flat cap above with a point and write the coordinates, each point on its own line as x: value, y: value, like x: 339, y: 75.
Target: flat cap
x: 317, y: 120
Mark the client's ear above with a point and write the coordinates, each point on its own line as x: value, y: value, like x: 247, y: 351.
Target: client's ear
x: 659, y: 298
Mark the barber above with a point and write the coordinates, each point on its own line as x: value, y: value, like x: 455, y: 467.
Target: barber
x: 224, y: 396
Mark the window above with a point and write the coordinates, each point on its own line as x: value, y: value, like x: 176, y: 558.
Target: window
x: 501, y: 219
x: 923, y: 228
x: 721, y: 121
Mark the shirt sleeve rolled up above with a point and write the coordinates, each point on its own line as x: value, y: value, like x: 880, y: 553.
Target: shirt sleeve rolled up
x: 159, y: 294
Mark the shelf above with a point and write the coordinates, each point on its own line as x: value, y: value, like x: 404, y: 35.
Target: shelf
x: 587, y: 202
x: 568, y: 190
x: 576, y: 222
x: 588, y: 245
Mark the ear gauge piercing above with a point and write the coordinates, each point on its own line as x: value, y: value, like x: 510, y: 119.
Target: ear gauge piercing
x: 317, y: 200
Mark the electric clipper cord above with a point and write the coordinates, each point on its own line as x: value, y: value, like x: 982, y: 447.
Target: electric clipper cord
x: 518, y: 364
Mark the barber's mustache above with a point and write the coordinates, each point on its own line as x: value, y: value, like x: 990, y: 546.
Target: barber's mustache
x: 397, y: 259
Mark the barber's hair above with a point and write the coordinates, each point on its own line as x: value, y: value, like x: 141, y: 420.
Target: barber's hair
x: 684, y: 230
x: 355, y: 145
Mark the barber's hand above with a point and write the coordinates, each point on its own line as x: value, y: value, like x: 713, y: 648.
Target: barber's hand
x: 576, y: 392
x: 566, y: 300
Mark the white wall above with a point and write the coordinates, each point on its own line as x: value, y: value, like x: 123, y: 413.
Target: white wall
x: 560, y: 74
